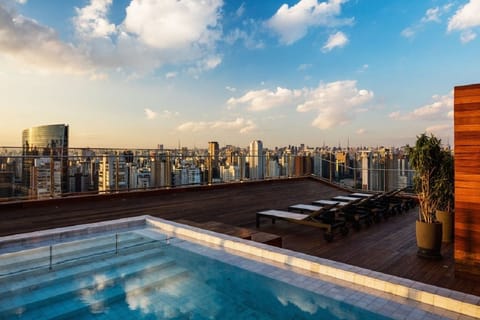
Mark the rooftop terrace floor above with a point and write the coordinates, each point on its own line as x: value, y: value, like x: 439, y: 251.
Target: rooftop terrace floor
x: 388, y: 247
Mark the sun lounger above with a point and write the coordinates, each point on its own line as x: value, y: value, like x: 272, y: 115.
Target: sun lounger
x: 328, y: 203
x: 349, y: 207
x: 323, y: 218
x: 361, y: 195
x: 344, y: 199
x: 301, y: 208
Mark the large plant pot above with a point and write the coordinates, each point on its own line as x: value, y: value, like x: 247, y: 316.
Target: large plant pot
x: 429, y: 239
x: 446, y: 218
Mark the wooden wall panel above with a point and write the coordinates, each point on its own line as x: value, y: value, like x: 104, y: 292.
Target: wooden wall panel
x: 467, y: 180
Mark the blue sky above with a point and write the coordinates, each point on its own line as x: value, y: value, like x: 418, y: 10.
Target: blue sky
x: 136, y: 74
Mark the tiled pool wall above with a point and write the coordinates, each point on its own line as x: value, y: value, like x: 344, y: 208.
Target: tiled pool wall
x: 452, y: 302
x: 41, y: 238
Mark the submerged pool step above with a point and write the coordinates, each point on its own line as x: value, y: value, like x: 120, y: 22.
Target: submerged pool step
x: 135, y: 289
x: 147, y: 271
x: 64, y: 252
x: 29, y: 281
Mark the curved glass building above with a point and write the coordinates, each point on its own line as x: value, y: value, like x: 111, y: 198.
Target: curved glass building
x: 45, y: 161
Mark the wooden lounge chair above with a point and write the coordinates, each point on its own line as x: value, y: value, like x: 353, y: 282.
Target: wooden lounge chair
x: 350, y: 207
x: 323, y: 218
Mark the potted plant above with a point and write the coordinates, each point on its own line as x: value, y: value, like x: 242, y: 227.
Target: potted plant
x: 426, y: 159
x: 445, y: 193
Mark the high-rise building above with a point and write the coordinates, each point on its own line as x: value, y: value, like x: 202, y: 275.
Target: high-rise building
x: 256, y: 160
x: 213, y: 163
x: 112, y: 173
x: 49, y: 142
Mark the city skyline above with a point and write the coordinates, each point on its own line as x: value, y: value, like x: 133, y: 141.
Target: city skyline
x: 133, y: 74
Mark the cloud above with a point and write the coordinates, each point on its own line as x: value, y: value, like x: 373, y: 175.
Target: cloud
x: 465, y: 20
x: 466, y: 17
x: 247, y: 34
x: 335, y: 103
x: 241, y: 10
x: 440, y: 109
x: 169, y: 114
x: 231, y: 89
x: 431, y: 15
x: 172, y: 24
x: 467, y: 36
x: 32, y: 44
x: 260, y: 100
x: 150, y: 114
x: 395, y: 115
x: 170, y: 75
x: 361, y: 131
x: 439, y: 128
x: 338, y: 39
x: 248, y: 39
x: 91, y: 21
x: 408, y: 32
x: 304, y: 66
x: 363, y: 68
x: 153, y: 34
x: 292, y: 23
x: 240, y: 124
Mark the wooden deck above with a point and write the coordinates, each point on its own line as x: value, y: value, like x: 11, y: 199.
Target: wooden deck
x: 388, y: 247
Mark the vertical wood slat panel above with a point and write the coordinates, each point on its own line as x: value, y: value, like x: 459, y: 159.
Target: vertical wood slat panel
x: 467, y: 169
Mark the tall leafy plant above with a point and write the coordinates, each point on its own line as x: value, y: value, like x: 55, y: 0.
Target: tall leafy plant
x: 444, y: 187
x: 426, y: 158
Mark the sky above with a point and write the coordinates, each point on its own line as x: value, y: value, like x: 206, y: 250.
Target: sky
x: 140, y: 73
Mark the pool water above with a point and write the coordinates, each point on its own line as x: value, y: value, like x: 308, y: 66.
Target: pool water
x: 148, y: 279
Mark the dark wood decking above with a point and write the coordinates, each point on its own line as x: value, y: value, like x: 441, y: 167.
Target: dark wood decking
x: 387, y: 247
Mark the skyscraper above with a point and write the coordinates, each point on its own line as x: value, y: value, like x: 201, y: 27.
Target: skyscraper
x: 213, y: 164
x: 256, y: 160
x: 45, y: 160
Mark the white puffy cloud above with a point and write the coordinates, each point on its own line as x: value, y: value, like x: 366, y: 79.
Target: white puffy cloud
x: 465, y: 20
x: 338, y: 39
x: 335, y: 103
x: 154, y: 33
x: 240, y: 124
x: 150, y: 114
x: 91, y: 20
x: 440, y: 109
x: 466, y: 17
x: 34, y: 45
x: 172, y: 24
x: 361, y: 131
x: 292, y: 23
x: 259, y: 100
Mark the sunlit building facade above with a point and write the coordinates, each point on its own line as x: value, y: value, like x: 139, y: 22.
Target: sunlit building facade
x: 50, y: 143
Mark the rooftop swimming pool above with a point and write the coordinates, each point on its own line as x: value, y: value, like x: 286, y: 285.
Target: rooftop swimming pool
x: 147, y: 268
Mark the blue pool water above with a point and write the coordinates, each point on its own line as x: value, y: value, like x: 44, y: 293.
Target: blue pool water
x: 156, y: 280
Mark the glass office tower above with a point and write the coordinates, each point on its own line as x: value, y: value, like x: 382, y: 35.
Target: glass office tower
x: 45, y: 161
